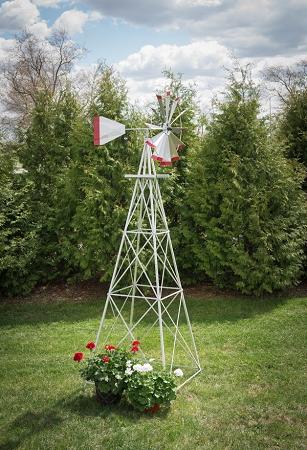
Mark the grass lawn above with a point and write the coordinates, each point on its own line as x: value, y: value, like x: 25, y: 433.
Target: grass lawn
x: 250, y: 395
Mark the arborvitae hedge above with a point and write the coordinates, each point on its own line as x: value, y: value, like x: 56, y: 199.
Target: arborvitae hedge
x: 247, y: 209
x: 234, y: 203
x: 293, y: 128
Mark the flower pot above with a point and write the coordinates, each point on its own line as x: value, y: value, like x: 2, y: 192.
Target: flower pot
x: 107, y: 398
x: 153, y: 409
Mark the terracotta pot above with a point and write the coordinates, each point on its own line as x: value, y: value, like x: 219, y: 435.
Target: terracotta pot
x: 153, y: 409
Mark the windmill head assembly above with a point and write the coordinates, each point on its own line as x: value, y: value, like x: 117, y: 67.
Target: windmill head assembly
x: 165, y: 145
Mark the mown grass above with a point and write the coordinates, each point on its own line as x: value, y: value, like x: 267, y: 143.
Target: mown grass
x: 251, y: 394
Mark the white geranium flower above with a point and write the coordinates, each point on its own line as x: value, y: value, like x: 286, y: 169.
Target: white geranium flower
x: 143, y: 368
x: 178, y: 373
x: 129, y: 363
x: 118, y: 376
x: 128, y: 371
x: 147, y: 367
x: 138, y: 367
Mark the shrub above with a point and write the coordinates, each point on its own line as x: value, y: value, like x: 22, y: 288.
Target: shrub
x: 247, y: 205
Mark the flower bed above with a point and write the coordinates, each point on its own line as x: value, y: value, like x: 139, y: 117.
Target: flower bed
x: 119, y: 374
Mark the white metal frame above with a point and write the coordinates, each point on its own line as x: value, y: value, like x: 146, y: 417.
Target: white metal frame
x: 146, y: 206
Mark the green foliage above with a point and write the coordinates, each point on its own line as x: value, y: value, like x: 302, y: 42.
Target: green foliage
x: 117, y: 371
x: 45, y: 153
x: 94, y: 193
x: 293, y: 127
x: 248, y: 210
x: 18, y: 231
x: 146, y: 389
x: 109, y: 375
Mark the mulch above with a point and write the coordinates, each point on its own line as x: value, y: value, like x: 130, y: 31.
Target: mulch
x: 86, y: 291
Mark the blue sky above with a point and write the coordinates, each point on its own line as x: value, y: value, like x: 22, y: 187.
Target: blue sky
x: 194, y: 37
x: 110, y: 38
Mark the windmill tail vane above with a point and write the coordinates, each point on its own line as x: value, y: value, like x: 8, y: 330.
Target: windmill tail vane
x: 165, y: 145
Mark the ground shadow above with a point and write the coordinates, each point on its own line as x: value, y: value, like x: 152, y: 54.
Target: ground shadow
x: 81, y: 403
x: 87, y: 405
x: 209, y: 310
x: 31, y: 423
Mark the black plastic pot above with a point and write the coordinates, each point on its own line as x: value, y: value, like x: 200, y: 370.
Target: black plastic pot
x: 107, y: 398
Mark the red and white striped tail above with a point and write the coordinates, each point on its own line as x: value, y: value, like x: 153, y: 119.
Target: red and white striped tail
x: 105, y: 130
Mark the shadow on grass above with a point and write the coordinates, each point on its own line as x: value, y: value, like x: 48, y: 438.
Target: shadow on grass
x: 204, y: 311
x: 88, y: 406
x: 81, y: 404
x: 31, y: 423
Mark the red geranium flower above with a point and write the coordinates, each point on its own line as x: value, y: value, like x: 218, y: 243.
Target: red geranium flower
x: 106, y: 359
x: 134, y: 349
x: 110, y: 347
x: 78, y: 356
x: 91, y: 345
x: 135, y: 343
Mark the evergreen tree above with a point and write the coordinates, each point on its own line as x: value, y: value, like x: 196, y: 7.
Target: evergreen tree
x: 248, y: 209
x: 289, y: 84
x: 293, y: 127
x: 18, y: 231
x: 95, y: 194
x: 44, y: 154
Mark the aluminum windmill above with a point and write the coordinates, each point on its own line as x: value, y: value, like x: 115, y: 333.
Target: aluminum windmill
x: 145, y: 300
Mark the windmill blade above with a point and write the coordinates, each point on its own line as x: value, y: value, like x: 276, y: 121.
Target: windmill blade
x: 175, y: 142
x: 158, y: 144
x: 173, y: 107
x: 177, y: 129
x: 161, y: 107
x: 163, y: 149
x: 155, y: 140
x: 179, y: 115
x: 151, y: 126
x: 105, y: 130
x: 167, y: 105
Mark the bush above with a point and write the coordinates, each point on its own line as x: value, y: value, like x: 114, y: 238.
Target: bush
x: 18, y: 230
x: 246, y: 201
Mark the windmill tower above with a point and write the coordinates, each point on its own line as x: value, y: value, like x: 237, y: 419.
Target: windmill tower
x: 145, y: 300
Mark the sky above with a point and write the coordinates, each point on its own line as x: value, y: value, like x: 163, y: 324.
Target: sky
x: 197, y: 38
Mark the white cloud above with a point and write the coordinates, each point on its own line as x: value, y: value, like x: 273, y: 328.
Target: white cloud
x: 251, y: 28
x: 5, y: 46
x: 39, y: 29
x: 74, y: 20
x: 197, y: 58
x: 201, y: 63
x: 17, y: 14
